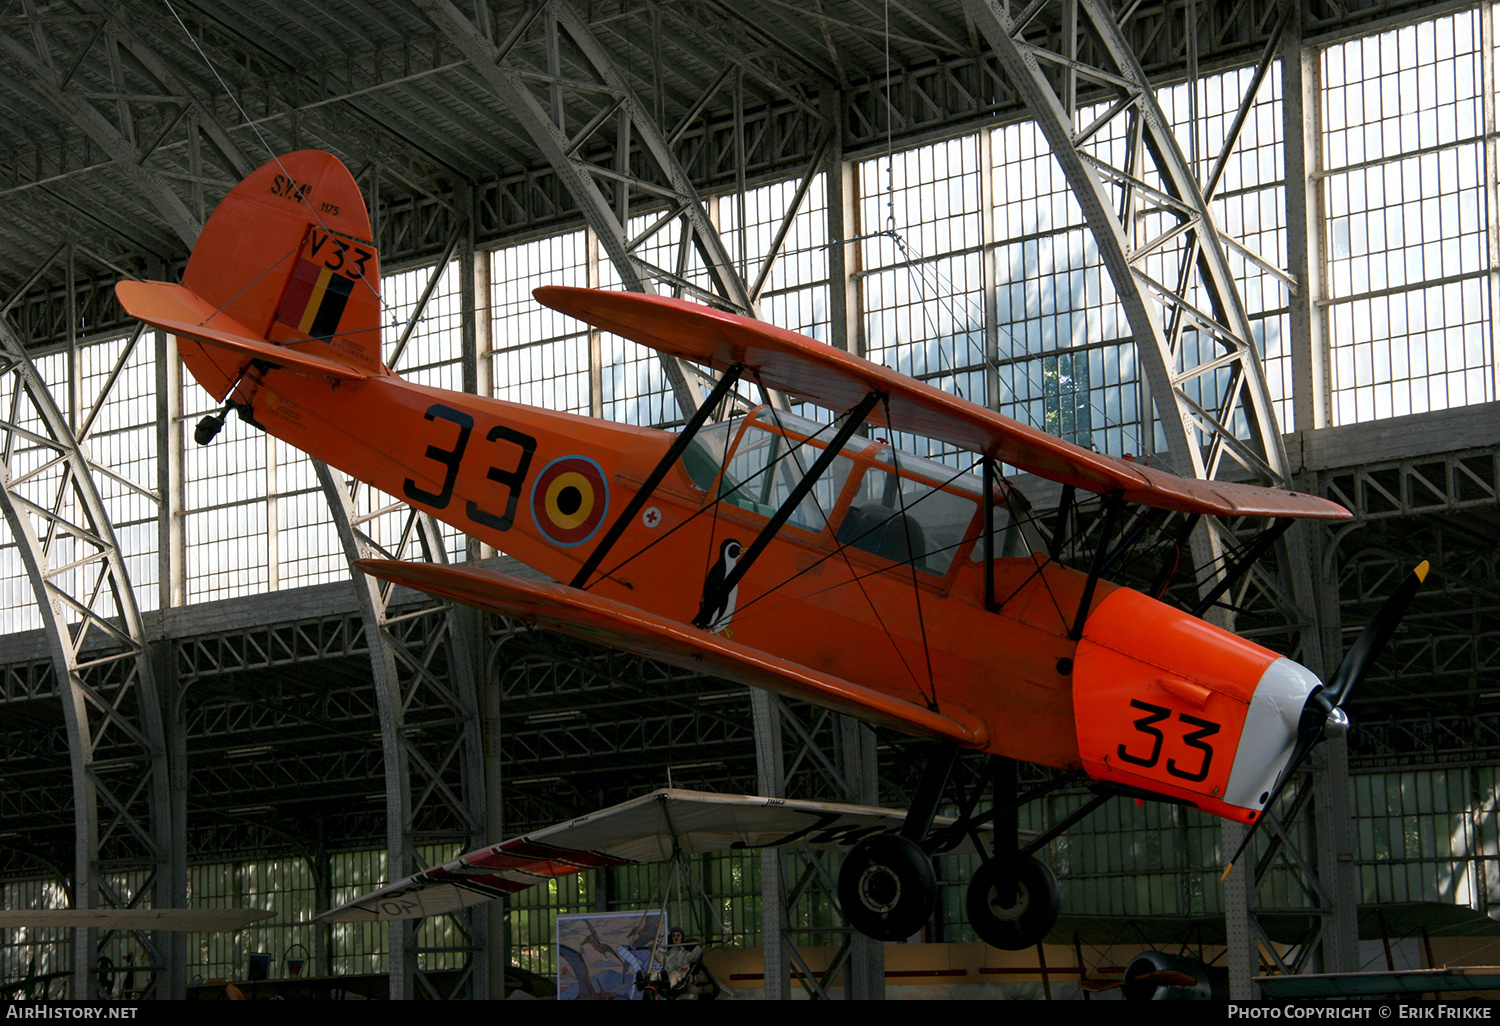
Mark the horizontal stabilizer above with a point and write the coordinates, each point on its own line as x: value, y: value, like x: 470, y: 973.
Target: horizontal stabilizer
x: 793, y: 363
x: 178, y: 310
x: 653, y: 828
x: 580, y: 614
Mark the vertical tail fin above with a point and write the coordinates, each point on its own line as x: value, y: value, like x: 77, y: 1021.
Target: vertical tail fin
x: 289, y: 255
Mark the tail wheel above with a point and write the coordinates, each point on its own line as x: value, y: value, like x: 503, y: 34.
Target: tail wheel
x: 887, y: 888
x: 1013, y: 901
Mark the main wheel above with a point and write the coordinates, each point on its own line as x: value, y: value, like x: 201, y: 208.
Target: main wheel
x: 1029, y: 909
x: 887, y: 888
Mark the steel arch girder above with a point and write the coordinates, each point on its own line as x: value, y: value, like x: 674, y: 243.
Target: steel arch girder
x: 1183, y: 418
x: 120, y: 150
x: 402, y: 758
x: 1227, y: 326
x: 541, y: 127
x: 1056, y: 125
x: 129, y: 725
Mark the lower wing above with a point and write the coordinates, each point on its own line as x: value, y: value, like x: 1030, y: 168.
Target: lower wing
x: 589, y: 617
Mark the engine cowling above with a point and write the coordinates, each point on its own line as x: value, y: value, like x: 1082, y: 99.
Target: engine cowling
x: 1157, y: 976
x: 1167, y: 703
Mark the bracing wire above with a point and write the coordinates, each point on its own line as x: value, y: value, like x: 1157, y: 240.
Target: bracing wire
x: 254, y: 127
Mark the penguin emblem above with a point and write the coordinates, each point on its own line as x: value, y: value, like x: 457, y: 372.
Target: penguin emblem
x: 718, y: 617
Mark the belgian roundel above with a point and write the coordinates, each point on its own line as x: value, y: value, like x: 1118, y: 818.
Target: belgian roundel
x: 569, y: 499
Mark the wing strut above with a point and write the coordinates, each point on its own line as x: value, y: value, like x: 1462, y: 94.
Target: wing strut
x: 929, y: 795
x: 989, y: 535
x: 636, y: 504
x: 1257, y: 548
x: 852, y: 423
x: 1113, y: 505
x: 1060, y: 532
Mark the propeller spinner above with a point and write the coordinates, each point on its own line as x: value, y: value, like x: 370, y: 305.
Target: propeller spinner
x: 1323, y: 713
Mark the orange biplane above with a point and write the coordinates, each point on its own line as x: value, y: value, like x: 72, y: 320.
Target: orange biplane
x: 805, y: 558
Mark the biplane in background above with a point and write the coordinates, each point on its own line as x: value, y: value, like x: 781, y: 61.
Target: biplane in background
x: 809, y: 559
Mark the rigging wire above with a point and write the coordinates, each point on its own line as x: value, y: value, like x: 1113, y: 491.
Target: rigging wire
x: 711, y: 508
x: 842, y: 551
x: 265, y: 143
x: 1034, y: 519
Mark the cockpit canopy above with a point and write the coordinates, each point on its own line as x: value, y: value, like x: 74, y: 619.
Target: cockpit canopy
x: 872, y: 497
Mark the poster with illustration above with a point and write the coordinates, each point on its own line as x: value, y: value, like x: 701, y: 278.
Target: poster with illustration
x: 600, y: 955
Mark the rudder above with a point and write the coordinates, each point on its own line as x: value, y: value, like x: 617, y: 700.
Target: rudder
x: 288, y: 254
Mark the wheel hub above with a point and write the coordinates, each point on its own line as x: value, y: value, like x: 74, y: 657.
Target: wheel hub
x: 1012, y: 912
x: 879, y: 889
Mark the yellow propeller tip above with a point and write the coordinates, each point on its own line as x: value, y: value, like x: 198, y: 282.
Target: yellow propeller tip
x: 1227, y: 870
x: 1421, y: 571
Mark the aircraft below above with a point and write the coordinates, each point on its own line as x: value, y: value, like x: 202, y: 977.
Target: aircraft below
x: 179, y: 920
x: 662, y: 826
x: 813, y: 559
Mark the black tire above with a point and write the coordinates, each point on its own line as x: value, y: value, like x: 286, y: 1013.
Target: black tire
x: 887, y: 888
x: 1031, y: 911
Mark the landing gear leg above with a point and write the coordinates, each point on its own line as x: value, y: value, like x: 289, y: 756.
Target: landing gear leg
x: 1013, y: 899
x: 887, y: 887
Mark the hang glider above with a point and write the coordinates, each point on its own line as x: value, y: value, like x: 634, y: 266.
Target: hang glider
x: 179, y: 920
x: 657, y: 827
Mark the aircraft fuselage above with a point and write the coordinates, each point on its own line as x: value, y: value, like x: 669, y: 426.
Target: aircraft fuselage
x: 542, y: 486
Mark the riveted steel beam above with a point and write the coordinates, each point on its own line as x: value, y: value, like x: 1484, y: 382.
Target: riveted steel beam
x: 1157, y: 237
x: 111, y: 708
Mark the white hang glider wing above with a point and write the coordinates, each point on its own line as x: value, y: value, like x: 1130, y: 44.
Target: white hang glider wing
x: 188, y: 920
x: 654, y: 828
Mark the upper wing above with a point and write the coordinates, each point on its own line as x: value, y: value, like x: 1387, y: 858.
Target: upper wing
x: 788, y: 362
x: 652, y: 828
x: 580, y: 614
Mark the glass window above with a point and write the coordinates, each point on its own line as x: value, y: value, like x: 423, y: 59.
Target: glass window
x: 705, y: 453
x: 1405, y: 212
x: 908, y: 519
x: 767, y: 466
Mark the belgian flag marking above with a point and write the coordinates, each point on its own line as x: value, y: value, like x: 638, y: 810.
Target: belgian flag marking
x: 318, y: 289
x: 314, y: 300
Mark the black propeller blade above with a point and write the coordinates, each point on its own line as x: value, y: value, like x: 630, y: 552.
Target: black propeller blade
x: 1323, y: 714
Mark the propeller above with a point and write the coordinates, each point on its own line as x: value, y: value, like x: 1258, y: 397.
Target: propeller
x: 1323, y: 713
